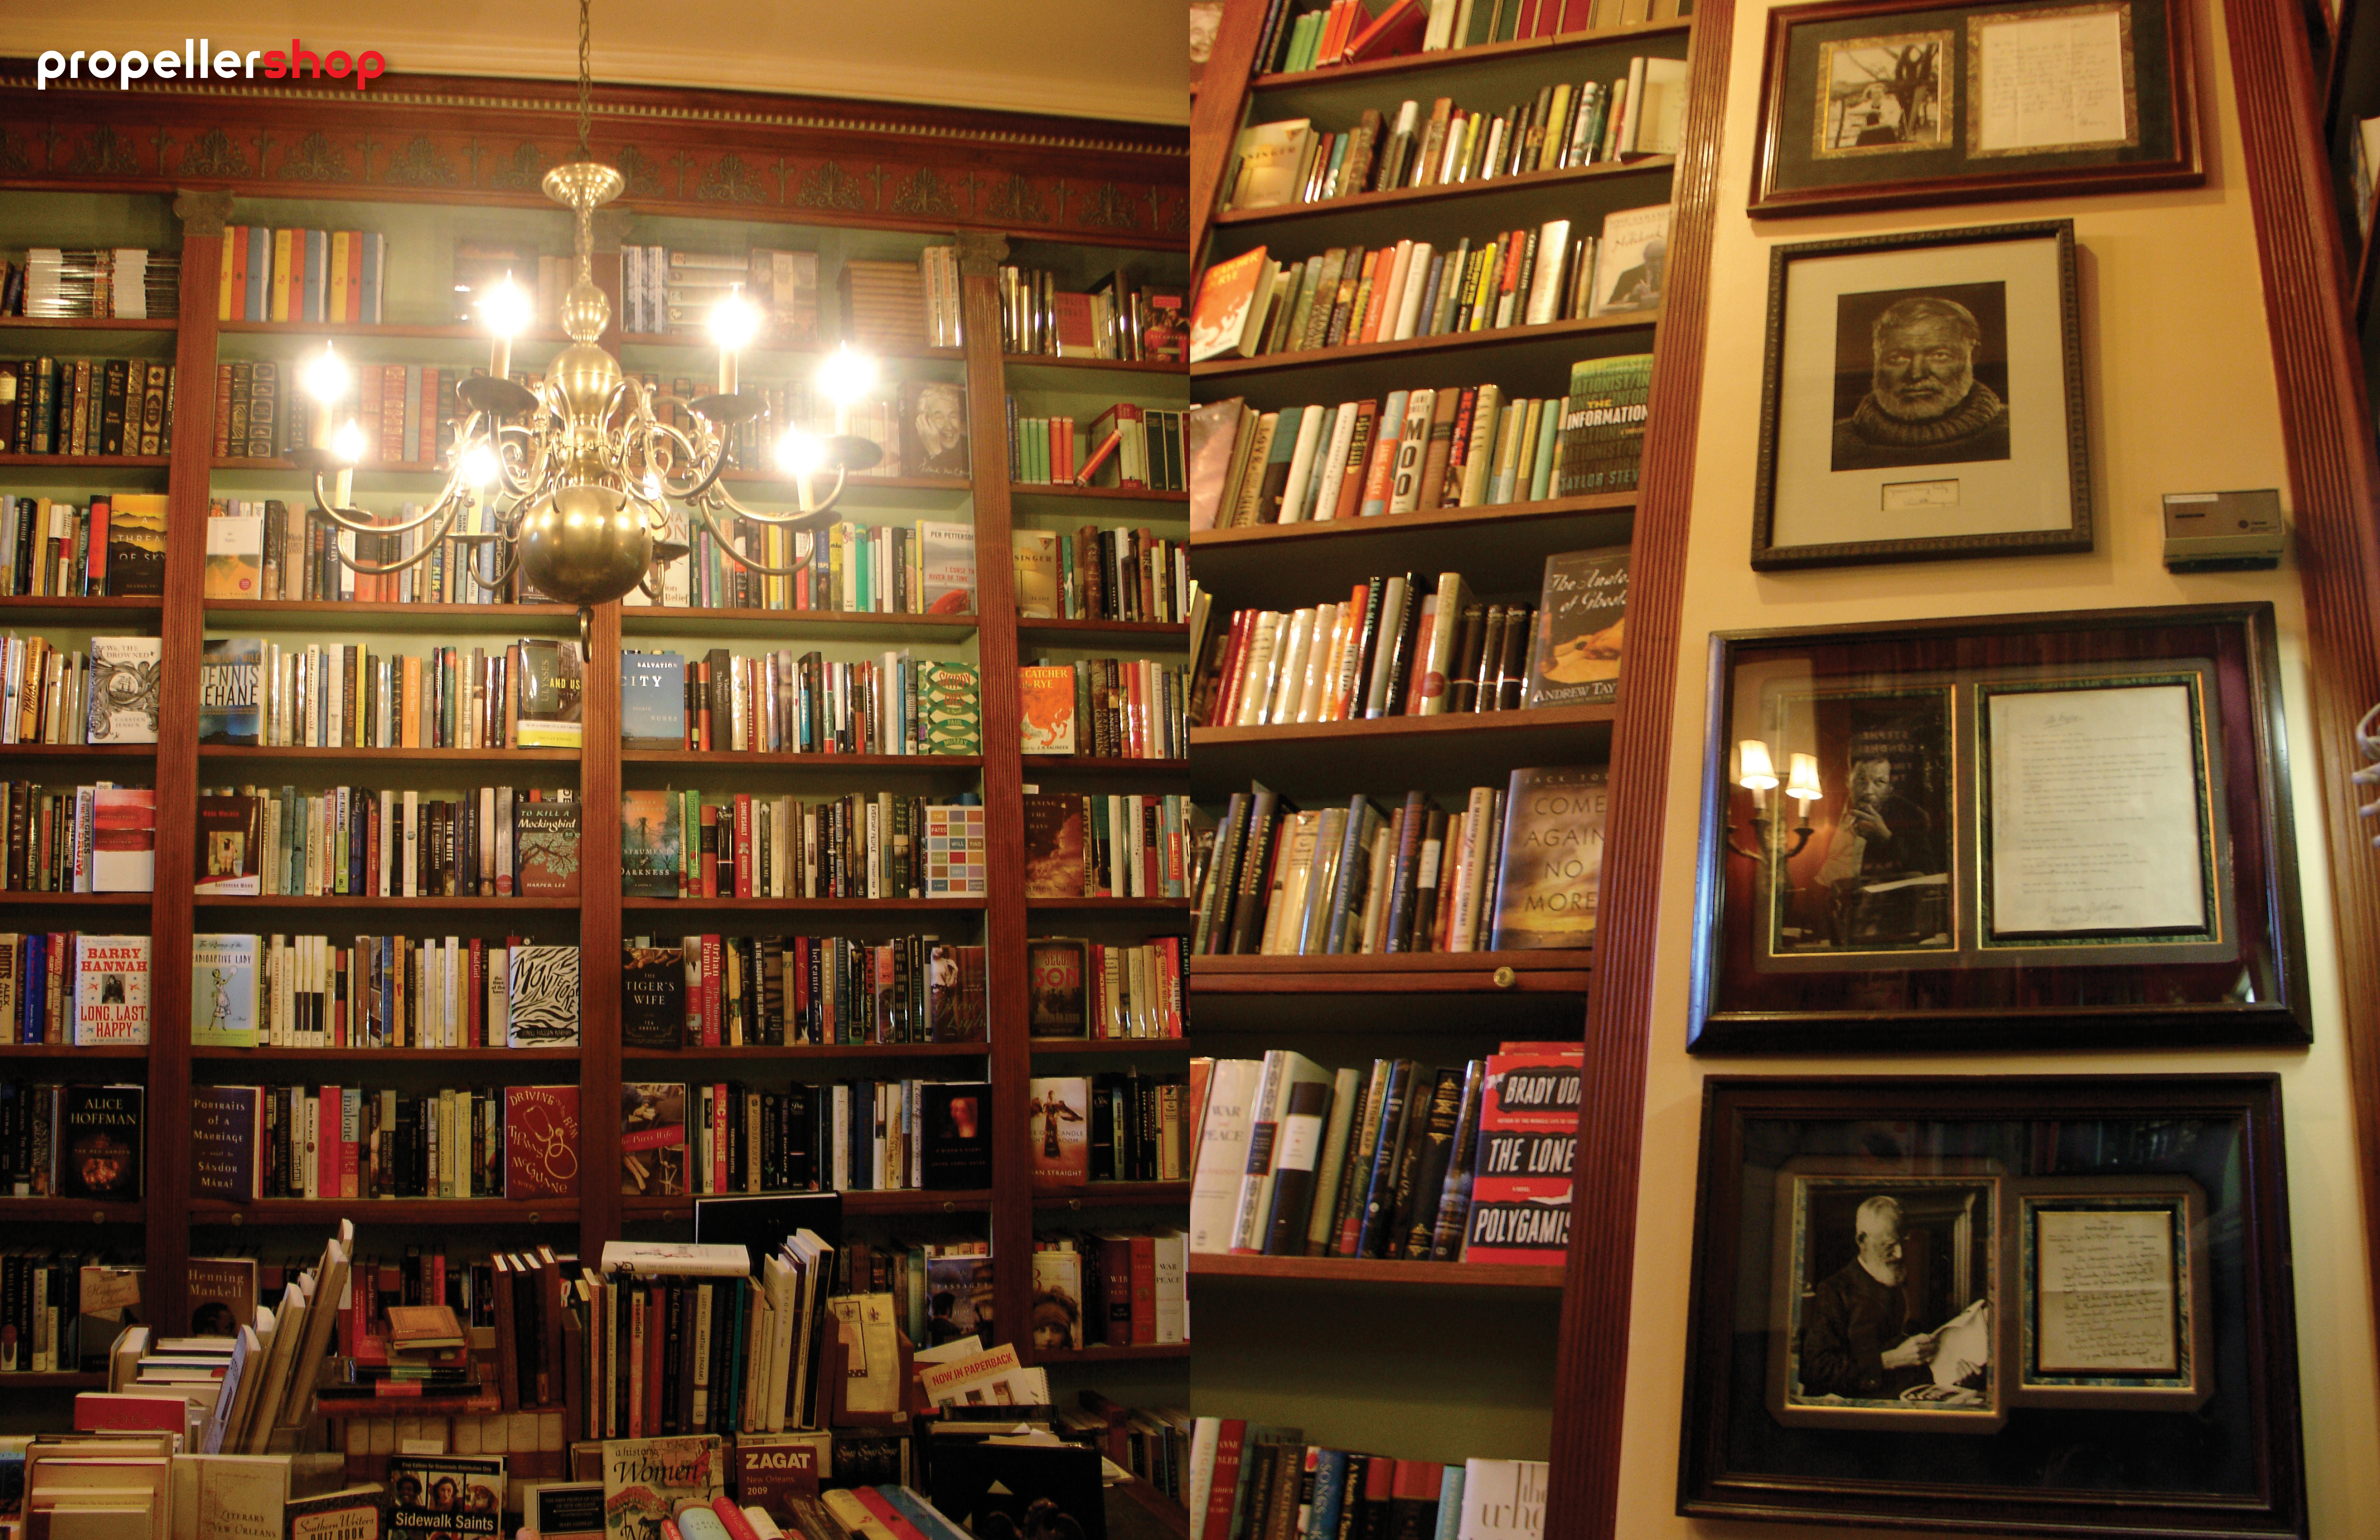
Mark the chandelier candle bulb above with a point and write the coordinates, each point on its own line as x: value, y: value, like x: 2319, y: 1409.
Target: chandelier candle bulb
x: 1755, y: 772
x: 326, y: 381
x: 507, y: 308
x: 733, y: 324
x: 1801, y: 785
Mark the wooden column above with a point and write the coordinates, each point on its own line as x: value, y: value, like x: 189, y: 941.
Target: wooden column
x: 182, y: 625
x: 1215, y: 114
x: 1004, y: 786
x: 1591, y: 1383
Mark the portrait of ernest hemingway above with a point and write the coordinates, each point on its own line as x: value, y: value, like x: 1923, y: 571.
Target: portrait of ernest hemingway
x: 1921, y: 377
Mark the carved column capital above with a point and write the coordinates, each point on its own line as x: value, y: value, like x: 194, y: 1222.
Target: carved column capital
x: 202, y: 211
x: 609, y: 228
x: 982, y: 252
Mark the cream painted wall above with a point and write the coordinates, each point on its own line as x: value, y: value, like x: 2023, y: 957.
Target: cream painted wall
x: 2181, y: 398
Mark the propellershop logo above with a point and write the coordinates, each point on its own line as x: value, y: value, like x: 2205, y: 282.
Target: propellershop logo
x: 199, y: 60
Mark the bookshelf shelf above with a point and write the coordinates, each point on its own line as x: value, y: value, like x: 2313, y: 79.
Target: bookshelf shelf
x: 854, y: 485
x: 14, y: 900
x: 1365, y: 1269
x: 905, y: 1200
x: 88, y: 462
x: 64, y: 1380
x: 1139, y: 1352
x: 1068, y: 491
x: 384, y: 1055
x: 811, y: 905
x: 1055, y: 1047
x: 79, y: 751
x: 368, y: 901
x: 1392, y: 198
x: 225, y: 614
x: 1452, y: 750
x: 1112, y: 1195
x: 1110, y: 905
x: 695, y: 761
x: 492, y: 760
x: 454, y: 330
x: 1547, y: 719
x: 1425, y: 347
x: 72, y: 604
x: 797, y: 1053
x: 1394, y: 974
x: 1307, y: 532
x: 1486, y: 52
x: 756, y: 358
x: 84, y: 324
x: 1110, y: 366
x: 1061, y: 630
x: 79, y: 1210
x: 364, y: 1211
x: 38, y: 1052
x: 650, y: 620
x: 1092, y: 765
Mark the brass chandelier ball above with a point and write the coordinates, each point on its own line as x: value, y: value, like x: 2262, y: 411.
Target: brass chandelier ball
x: 586, y: 546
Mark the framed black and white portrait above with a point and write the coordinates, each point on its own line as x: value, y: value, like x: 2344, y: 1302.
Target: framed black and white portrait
x: 1923, y: 399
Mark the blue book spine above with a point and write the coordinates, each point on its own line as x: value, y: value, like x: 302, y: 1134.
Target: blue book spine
x: 259, y: 272
x: 1329, y: 1494
x: 1450, y: 1505
x: 920, y: 1511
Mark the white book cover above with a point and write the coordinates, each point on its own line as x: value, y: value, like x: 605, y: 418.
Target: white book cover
x: 1503, y: 1499
x: 1223, y: 1161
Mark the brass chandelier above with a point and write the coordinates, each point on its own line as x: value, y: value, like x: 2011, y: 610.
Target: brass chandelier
x: 580, y: 472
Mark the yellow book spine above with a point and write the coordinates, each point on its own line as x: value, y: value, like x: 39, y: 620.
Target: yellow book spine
x: 281, y: 275
x: 334, y: 299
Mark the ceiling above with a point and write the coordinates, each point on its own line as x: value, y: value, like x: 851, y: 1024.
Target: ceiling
x: 1087, y: 58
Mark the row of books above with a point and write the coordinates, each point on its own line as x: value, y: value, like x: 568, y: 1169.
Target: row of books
x: 1471, y: 1164
x: 406, y: 411
x: 877, y: 844
x: 381, y: 992
x: 105, y: 408
x: 1250, y: 1480
x: 41, y: 1310
x: 1347, y: 31
x: 72, y: 1141
x: 1137, y: 1129
x: 667, y: 290
x: 1118, y: 319
x: 89, y: 839
x: 110, y: 545
x: 497, y: 841
x: 301, y: 275
x: 1124, y: 445
x: 1514, y: 870
x: 257, y: 693
x: 927, y: 568
x: 1120, y: 1289
x: 888, y: 306
x: 123, y: 283
x: 862, y: 1136
x: 1107, y: 844
x: 51, y: 695
x: 716, y: 991
x: 1424, y: 449
x: 60, y: 987
x: 772, y: 702
x: 1103, y: 990
x: 1105, y: 707
x: 1291, y: 161
x: 255, y: 549
x: 1097, y: 574
x: 255, y: 1142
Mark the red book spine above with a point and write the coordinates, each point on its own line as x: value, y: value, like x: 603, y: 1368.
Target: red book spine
x: 1115, y: 1276
x: 719, y: 1142
x: 1230, y: 1444
x: 1144, y: 1289
x: 478, y: 1008
x: 711, y: 993
x: 743, y: 845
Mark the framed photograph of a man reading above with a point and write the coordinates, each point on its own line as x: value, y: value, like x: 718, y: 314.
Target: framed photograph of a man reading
x: 1892, y: 103
x: 1923, y: 399
x: 2005, y: 1304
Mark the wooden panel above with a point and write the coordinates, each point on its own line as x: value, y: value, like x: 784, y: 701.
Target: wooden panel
x: 2325, y: 420
x: 1216, y: 111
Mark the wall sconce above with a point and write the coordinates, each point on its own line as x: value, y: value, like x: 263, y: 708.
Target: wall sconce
x: 1755, y: 771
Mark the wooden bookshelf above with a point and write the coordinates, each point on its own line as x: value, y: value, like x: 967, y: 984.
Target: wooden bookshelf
x: 83, y: 323
x: 1072, y: 492
x: 1099, y: 1353
x: 35, y: 1052
x: 15, y: 900
x: 1059, y: 1046
x: 366, y: 1211
x: 1114, y: 1194
x: 384, y: 1055
x: 1445, y: 1007
x: 73, y: 1210
x: 64, y: 1379
x: 796, y: 1053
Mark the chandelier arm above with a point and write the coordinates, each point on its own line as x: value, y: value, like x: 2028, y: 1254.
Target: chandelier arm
x: 530, y: 474
x: 729, y: 548
x: 807, y: 519
x: 382, y: 569
x: 323, y: 508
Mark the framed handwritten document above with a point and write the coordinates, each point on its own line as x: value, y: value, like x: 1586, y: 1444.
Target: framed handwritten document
x: 1906, y: 1289
x: 1894, y: 104
x: 2067, y: 829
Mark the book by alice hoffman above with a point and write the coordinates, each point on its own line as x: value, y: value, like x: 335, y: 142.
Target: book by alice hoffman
x: 1550, y: 873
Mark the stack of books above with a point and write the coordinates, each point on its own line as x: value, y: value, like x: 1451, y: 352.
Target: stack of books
x: 124, y: 282
x: 1118, y: 319
x: 88, y: 407
x: 669, y: 291
x: 894, y: 306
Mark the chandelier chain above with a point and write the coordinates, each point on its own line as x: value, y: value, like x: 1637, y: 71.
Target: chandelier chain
x: 585, y: 82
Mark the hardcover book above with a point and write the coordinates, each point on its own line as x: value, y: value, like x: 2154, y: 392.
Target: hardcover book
x: 124, y: 840
x: 545, y: 837
x: 229, y: 670
x: 230, y: 856
x: 652, y: 700
x: 946, y: 567
x: 773, y: 1468
x: 1046, y: 696
x: 649, y: 855
x: 542, y: 1141
x: 550, y: 692
x: 950, y: 700
x: 221, y: 1294
x: 226, y: 1125
x: 223, y: 991
x: 1226, y: 317
x: 955, y: 1149
x: 1266, y: 162
x: 123, y: 703
x: 1528, y: 1139
x: 653, y: 997
x: 1057, y: 1298
x: 1503, y: 1499
x: 1054, y: 860
x: 1059, y: 1131
x: 1059, y: 968
x: 136, y: 545
x: 543, y: 1013
x: 1551, y: 868
x: 1036, y: 554
x: 652, y: 1140
x: 954, y: 994
x: 100, y: 1142
x: 1627, y: 277
x: 234, y: 557
x: 1575, y: 655
x: 933, y: 428
x: 353, y: 1513
x: 1601, y: 443
x: 111, y: 999
x: 647, y: 1481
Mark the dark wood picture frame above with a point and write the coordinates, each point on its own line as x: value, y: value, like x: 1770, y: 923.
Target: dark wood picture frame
x: 1939, y: 162
x: 2231, y: 1465
x: 1787, y: 953
x: 1813, y: 478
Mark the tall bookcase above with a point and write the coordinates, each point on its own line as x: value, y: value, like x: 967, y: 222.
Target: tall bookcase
x: 1449, y: 1360
x: 429, y: 160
